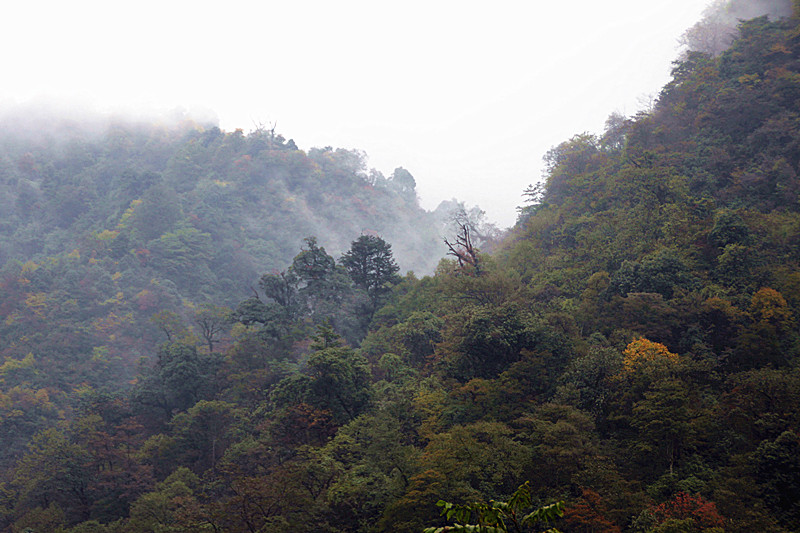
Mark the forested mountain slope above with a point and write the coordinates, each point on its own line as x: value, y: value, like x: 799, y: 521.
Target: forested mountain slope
x: 696, y: 200
x: 632, y: 350
x: 107, y: 222
x: 255, y: 195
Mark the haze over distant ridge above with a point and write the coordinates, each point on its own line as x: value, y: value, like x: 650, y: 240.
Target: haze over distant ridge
x: 468, y: 98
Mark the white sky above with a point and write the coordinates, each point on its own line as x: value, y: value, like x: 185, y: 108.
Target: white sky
x: 466, y: 95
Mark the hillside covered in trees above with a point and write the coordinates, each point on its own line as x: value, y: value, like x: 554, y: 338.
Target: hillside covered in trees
x: 106, y: 222
x: 630, y: 349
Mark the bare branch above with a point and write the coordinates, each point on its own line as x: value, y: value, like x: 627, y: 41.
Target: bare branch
x: 463, y: 250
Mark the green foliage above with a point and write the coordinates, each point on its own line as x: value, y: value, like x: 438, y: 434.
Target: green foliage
x: 182, y: 255
x: 662, y: 272
x: 484, y: 340
x: 729, y: 228
x: 494, y: 517
x: 336, y: 380
x: 778, y: 473
x: 282, y: 288
x: 371, y: 267
x: 213, y: 321
x: 52, y: 471
x: 203, y: 433
x: 157, y: 213
x: 143, y: 219
x: 588, y: 381
x: 663, y: 419
x: 340, y: 382
x: 631, y: 347
x: 180, y: 378
x: 159, y: 509
x: 313, y: 266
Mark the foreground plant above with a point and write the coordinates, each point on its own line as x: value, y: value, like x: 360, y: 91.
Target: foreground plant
x: 496, y: 517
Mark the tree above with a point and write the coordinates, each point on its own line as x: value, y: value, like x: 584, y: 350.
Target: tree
x: 465, y: 252
x: 204, y: 432
x: 313, y: 266
x: 158, y: 510
x: 336, y: 380
x: 729, y: 228
x: 761, y: 404
x: 171, y: 324
x: 418, y: 334
x: 778, y: 472
x: 664, y: 420
x: 662, y: 272
x: 376, y: 459
x: 589, y: 380
x: 770, y: 337
x: 54, y: 471
x: 157, y: 213
x: 688, y: 513
x: 642, y: 352
x: 212, y: 321
x: 180, y: 378
x: 589, y: 514
x: 403, y: 181
x: 282, y: 289
x: 340, y: 382
x: 712, y: 35
x: 184, y: 255
x: 482, y: 341
x: 180, y: 368
x: 566, y: 163
x: 372, y: 268
x: 321, y: 284
x: 534, y: 194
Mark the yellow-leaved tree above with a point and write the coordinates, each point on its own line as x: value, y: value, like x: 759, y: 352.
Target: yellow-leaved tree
x: 642, y: 352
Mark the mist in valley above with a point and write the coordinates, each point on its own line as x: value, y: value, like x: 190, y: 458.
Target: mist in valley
x: 426, y: 253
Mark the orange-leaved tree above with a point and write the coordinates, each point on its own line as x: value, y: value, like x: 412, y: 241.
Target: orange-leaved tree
x: 642, y: 351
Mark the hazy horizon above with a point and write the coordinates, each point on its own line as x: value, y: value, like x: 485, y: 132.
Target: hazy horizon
x: 468, y: 99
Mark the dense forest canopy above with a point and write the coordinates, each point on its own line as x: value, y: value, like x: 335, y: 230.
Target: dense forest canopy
x: 211, y: 331
x: 106, y: 222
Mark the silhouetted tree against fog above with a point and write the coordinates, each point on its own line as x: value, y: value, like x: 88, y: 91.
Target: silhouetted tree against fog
x: 464, y: 250
x: 371, y: 267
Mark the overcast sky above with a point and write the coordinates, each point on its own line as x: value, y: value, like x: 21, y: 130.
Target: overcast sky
x: 468, y: 96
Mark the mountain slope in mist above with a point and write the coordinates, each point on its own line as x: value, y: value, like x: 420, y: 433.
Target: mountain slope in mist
x: 104, y: 223
x: 256, y: 192
x: 631, y: 350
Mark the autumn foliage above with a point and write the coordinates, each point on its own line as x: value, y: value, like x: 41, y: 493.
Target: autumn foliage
x: 684, y: 506
x: 641, y: 352
x: 187, y: 344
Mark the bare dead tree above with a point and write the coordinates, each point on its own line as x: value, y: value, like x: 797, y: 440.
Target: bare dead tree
x: 482, y: 233
x: 463, y: 250
x: 265, y: 130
